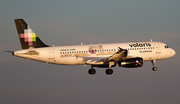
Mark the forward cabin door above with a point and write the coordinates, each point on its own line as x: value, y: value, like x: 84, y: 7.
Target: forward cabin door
x: 51, y: 54
x: 158, y: 49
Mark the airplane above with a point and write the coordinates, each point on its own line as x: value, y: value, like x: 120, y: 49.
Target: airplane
x: 128, y: 55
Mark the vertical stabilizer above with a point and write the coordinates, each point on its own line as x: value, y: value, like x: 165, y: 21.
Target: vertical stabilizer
x: 27, y: 37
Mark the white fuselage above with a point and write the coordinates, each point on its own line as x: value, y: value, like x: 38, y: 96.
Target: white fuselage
x: 91, y: 54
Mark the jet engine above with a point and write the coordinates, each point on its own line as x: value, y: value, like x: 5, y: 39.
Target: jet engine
x: 131, y: 63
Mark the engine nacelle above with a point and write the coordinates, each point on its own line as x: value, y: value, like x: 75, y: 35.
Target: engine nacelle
x: 131, y: 63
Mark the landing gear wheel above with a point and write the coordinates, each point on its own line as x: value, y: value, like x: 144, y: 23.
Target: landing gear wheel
x: 109, y: 71
x: 92, y: 71
x: 154, y: 68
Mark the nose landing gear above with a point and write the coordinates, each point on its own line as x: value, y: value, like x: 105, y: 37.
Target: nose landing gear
x: 154, y: 68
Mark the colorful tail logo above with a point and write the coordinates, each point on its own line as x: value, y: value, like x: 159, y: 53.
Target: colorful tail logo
x: 29, y: 36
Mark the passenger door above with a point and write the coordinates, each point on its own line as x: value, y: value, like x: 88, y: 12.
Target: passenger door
x: 158, y: 49
x: 51, y: 54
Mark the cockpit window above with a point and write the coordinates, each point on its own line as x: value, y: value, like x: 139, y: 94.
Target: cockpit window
x: 166, y: 46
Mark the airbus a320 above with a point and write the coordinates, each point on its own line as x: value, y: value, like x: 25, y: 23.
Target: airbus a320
x: 129, y: 55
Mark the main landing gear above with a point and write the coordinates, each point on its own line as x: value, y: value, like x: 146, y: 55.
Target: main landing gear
x: 154, y: 68
x: 109, y: 71
x: 92, y: 71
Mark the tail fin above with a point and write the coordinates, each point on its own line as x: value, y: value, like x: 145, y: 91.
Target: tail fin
x: 27, y: 37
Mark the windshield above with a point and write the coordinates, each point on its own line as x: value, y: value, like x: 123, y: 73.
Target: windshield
x: 166, y: 46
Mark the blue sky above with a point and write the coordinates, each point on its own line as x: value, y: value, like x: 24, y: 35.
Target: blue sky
x: 62, y: 22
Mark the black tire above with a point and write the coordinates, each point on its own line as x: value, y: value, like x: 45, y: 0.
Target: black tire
x: 92, y: 71
x: 154, y: 68
x: 109, y: 71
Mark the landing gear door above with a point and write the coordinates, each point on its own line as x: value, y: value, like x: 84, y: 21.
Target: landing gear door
x: 158, y: 49
x: 51, y: 54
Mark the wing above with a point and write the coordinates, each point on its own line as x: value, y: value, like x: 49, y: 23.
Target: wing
x: 121, y: 54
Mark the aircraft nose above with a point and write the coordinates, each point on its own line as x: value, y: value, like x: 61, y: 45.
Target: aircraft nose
x: 172, y: 52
